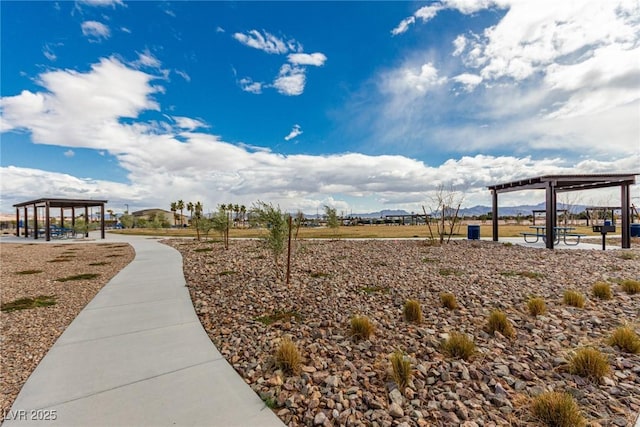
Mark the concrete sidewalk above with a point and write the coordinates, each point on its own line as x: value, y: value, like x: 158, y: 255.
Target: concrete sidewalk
x: 138, y: 356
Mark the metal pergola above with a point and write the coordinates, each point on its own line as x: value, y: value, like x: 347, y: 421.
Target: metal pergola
x: 62, y: 204
x: 554, y: 184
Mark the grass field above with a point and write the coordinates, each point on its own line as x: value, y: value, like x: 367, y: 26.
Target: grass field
x: 366, y: 231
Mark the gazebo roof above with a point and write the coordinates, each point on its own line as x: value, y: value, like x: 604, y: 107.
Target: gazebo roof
x: 567, y: 182
x: 63, y: 203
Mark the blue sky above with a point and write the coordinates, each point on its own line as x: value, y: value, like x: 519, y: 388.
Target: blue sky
x: 358, y: 105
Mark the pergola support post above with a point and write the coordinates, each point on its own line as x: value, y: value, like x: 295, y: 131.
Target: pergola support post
x: 35, y: 222
x: 47, y: 222
x: 17, y: 222
x: 102, y: 221
x: 494, y: 214
x: 626, y: 224
x: 86, y: 221
x: 26, y: 221
x: 550, y: 220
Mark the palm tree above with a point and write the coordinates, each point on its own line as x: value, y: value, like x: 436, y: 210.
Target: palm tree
x: 243, y: 211
x: 174, y: 208
x: 180, y: 206
x: 223, y: 207
x: 190, y: 209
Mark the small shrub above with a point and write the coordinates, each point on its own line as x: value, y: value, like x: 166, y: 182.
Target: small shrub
x: 373, y: 289
x: 227, y: 273
x: 29, y: 272
x: 448, y: 300
x: 531, y: 274
x: 98, y: 263
x: 449, y: 272
x: 602, y: 290
x: 626, y: 255
x: 427, y: 260
x: 277, y: 316
x: 459, y: 346
x: 318, y: 274
x: 401, y: 369
x: 498, y: 321
x: 555, y: 409
x: 536, y: 306
x: 573, y: 298
x: 361, y: 327
x: 203, y: 250
x: 626, y: 340
x: 589, y: 363
x: 412, y: 311
x: 631, y: 287
x: 26, y: 303
x: 84, y: 276
x: 288, y: 357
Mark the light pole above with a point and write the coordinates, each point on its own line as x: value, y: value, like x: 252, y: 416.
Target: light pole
x: 127, y: 210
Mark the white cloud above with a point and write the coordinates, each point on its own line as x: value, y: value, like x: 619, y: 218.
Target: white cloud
x: 48, y: 53
x: 291, y: 80
x: 248, y: 85
x: 317, y: 59
x: 69, y: 153
x: 403, y: 26
x: 147, y: 59
x: 459, y: 43
x: 189, y: 124
x: 267, y: 42
x: 412, y: 81
x: 297, y: 130
x: 469, y: 81
x: 102, y: 3
x: 183, y: 74
x: 220, y: 30
x: 95, y: 30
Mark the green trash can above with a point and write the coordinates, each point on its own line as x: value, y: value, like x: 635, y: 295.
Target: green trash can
x: 473, y: 232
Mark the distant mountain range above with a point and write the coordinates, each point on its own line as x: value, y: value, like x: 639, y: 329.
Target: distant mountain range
x: 472, y: 211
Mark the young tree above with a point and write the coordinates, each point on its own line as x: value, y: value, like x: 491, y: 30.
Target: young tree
x: 220, y: 223
x: 333, y: 222
x: 447, y: 203
x: 127, y: 220
x: 276, y: 222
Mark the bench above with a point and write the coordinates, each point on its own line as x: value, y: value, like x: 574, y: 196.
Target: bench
x: 576, y: 235
x: 537, y: 235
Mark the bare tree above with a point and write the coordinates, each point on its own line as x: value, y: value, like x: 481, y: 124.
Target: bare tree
x: 445, y: 206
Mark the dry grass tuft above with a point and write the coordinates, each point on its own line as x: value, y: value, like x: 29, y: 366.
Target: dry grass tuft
x: 498, y: 321
x: 412, y: 311
x: 589, y: 363
x: 288, y: 357
x: 573, y: 298
x: 602, y: 290
x: 555, y: 409
x: 626, y: 340
x: 448, y: 300
x: 361, y: 327
x: 536, y: 306
x: 459, y: 346
x: 401, y: 369
x: 631, y: 287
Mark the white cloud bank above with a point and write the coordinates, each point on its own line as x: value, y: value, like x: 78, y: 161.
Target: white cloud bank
x: 84, y: 110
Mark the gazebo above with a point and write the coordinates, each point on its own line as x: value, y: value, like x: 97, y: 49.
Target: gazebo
x: 62, y: 204
x: 554, y: 184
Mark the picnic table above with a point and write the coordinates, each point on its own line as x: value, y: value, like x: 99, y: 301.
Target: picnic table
x: 559, y: 233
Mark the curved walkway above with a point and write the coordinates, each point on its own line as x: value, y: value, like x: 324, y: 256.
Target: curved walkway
x: 137, y: 355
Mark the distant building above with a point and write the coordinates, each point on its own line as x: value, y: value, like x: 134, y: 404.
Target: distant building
x: 166, y: 216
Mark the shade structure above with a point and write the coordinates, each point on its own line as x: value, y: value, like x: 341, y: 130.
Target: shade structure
x: 554, y: 184
x: 47, y: 204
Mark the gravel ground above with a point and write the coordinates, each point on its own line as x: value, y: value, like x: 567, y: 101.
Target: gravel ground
x: 343, y: 382
x: 28, y: 334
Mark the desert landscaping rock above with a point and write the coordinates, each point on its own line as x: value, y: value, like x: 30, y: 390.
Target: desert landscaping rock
x: 344, y: 382
x: 28, y: 334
